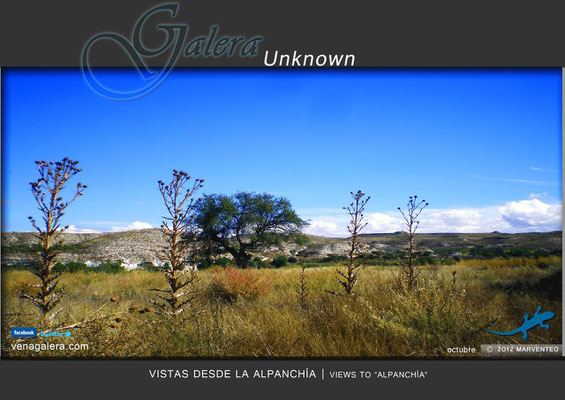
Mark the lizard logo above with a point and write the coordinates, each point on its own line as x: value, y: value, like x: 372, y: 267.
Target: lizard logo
x: 529, y: 323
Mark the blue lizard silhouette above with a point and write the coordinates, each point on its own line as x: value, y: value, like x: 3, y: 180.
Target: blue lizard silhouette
x: 537, y: 319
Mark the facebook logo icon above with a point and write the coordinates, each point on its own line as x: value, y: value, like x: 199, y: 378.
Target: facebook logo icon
x: 24, y: 332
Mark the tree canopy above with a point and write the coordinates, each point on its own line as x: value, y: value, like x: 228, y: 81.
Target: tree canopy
x: 244, y: 222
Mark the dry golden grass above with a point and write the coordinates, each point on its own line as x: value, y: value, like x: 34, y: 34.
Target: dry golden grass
x: 267, y: 319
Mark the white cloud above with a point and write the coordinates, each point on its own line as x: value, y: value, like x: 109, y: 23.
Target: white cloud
x: 136, y: 225
x: 513, y: 217
x: 532, y: 214
x: 74, y: 229
x: 325, y: 228
x: 469, y: 220
x: 377, y: 222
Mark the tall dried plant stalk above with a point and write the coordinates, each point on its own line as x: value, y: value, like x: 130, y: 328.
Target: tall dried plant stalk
x: 302, y: 290
x: 177, y: 227
x: 409, y: 271
x: 47, y: 193
x: 356, y: 208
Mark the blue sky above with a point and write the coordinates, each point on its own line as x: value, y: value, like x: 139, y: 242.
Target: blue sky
x: 482, y: 146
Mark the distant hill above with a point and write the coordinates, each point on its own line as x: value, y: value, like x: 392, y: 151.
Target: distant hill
x: 139, y: 246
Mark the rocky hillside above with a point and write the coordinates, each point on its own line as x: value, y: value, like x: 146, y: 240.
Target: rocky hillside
x: 140, y: 246
x: 132, y: 247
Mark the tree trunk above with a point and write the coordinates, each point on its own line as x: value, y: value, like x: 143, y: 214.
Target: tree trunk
x: 240, y: 257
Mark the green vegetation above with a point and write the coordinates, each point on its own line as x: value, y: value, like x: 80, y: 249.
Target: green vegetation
x: 279, y: 261
x: 109, y: 268
x: 258, y: 263
x: 28, y: 249
x: 70, y: 267
x: 147, y: 266
x: 73, y: 267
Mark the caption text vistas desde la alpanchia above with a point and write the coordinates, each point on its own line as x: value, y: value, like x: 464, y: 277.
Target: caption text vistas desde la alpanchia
x: 305, y: 373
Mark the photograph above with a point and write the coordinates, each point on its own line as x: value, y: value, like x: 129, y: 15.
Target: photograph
x: 272, y: 213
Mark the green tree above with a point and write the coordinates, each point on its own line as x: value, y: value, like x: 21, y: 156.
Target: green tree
x: 244, y: 222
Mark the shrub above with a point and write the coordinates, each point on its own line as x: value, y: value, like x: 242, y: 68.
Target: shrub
x: 72, y: 266
x: 279, y: 261
x: 292, y: 260
x: 20, y: 266
x: 110, y: 268
x: 204, y: 263
x: 257, y: 262
x: 149, y: 266
x: 222, y: 261
x: 231, y: 284
x: 333, y: 258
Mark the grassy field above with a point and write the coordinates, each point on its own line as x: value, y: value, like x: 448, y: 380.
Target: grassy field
x: 257, y: 313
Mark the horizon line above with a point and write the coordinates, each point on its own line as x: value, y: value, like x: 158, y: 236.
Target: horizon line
x: 308, y: 234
